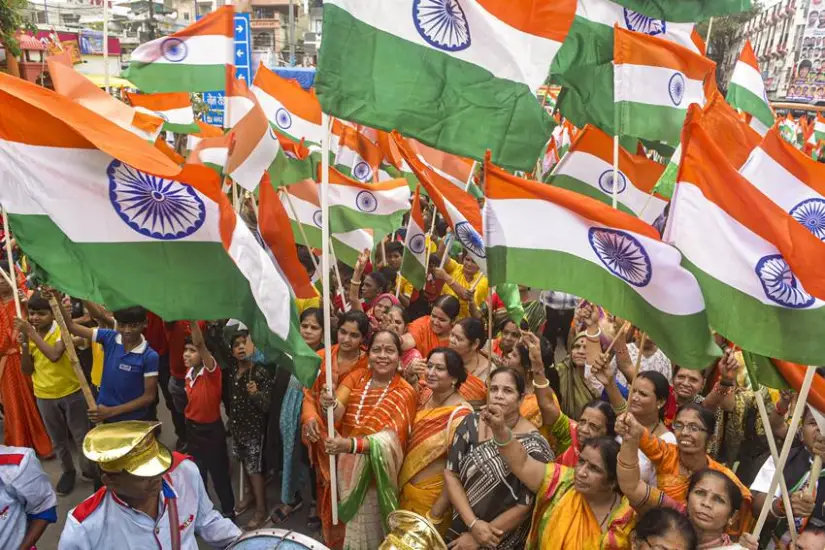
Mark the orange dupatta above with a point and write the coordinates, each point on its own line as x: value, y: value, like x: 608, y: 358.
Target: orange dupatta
x: 425, y: 339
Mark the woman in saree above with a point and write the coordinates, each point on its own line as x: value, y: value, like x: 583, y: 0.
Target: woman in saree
x: 575, y: 393
x: 433, y: 330
x: 347, y: 357
x: 23, y: 426
x: 364, y: 290
x: 395, y: 320
x: 468, y: 338
x: 675, y: 463
x: 534, y: 354
x: 439, y: 414
x: 491, y: 506
x: 713, y: 499
x: 375, y: 411
x: 579, y: 507
x: 508, y: 337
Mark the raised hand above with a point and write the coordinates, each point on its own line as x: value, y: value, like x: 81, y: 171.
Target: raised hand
x: 628, y: 427
x: 728, y: 367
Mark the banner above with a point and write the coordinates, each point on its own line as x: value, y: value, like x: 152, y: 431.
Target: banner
x: 808, y: 82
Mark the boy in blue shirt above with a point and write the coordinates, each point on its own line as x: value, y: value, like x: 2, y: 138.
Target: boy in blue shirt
x: 130, y: 367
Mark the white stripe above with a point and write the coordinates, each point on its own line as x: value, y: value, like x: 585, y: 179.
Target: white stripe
x: 589, y: 168
x: 296, y: 126
x: 513, y: 223
x: 504, y: 51
x: 235, y: 108
x: 449, y: 177
x: 214, y: 155
x: 724, y: 249
x: 455, y: 217
x: 357, y: 240
x: 271, y: 292
x: 648, y: 85
x: 72, y: 187
x: 304, y: 210
x: 388, y: 201
x: 208, y: 49
x: 758, y: 126
x: 610, y: 14
x: 181, y: 115
x: 192, y: 142
x: 749, y: 78
x: 775, y: 181
x: 412, y: 230
x: 349, y: 159
x: 248, y: 173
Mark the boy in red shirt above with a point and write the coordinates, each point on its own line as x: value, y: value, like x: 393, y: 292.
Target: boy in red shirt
x: 205, y: 432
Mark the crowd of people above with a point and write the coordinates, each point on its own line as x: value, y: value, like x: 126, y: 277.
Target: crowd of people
x: 562, y: 427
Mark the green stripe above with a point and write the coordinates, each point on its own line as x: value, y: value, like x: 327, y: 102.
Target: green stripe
x: 181, y: 128
x: 394, y: 172
x: 667, y: 181
x: 285, y: 170
x: 789, y: 334
x: 343, y: 252
x: 180, y: 285
x: 587, y: 43
x: 647, y: 121
x: 685, y: 11
x: 343, y: 219
x: 762, y: 371
x: 741, y: 98
x: 412, y: 270
x: 164, y: 77
x: 685, y: 339
x: 459, y: 107
x: 583, y: 188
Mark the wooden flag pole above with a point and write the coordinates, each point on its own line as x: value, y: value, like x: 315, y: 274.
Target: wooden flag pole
x: 615, y: 170
x: 404, y: 255
x: 12, y: 275
x: 325, y: 258
x: 66, y: 336
x: 619, y: 334
x: 470, y: 177
x: 430, y: 238
x: 786, y: 448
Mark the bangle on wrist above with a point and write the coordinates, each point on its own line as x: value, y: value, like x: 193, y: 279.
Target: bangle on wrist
x: 354, y: 282
x: 472, y: 524
x: 539, y: 386
x: 593, y: 336
x: 354, y: 446
x: 728, y: 383
x: 626, y: 465
x: 503, y: 443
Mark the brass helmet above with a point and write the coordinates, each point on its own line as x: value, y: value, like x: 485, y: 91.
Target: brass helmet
x: 409, y: 531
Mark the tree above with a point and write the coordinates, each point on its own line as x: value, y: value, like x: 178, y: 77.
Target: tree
x: 11, y: 21
x: 725, y: 35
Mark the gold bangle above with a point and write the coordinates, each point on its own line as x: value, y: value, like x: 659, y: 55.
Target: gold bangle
x: 541, y: 386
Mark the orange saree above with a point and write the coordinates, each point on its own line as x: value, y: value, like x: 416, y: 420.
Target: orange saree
x: 425, y: 339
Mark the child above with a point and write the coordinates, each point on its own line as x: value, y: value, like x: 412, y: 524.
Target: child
x: 250, y: 406
x: 129, y: 383
x: 56, y: 389
x: 205, y: 433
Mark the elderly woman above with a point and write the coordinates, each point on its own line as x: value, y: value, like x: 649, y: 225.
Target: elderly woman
x: 433, y: 330
x: 491, y: 505
x: 578, y: 507
x: 375, y: 410
x: 675, y: 463
x: 440, y: 412
x: 576, y: 393
x: 713, y: 500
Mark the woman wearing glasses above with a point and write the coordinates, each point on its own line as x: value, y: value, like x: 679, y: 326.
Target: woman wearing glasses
x: 677, y: 465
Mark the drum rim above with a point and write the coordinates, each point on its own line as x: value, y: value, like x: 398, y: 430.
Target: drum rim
x: 283, y: 534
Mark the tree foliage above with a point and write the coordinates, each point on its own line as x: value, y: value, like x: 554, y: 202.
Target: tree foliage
x: 725, y: 35
x: 11, y: 21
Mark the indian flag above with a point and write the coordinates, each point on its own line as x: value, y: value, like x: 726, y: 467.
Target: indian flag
x: 743, y: 250
x: 303, y: 205
x: 292, y: 111
x: 655, y: 83
x: 545, y: 237
x: 93, y: 205
x: 253, y: 150
x: 791, y: 180
x: 378, y: 206
x: 686, y: 10
x: 238, y: 101
x: 819, y: 128
x: 205, y: 131
x: 356, y: 156
x: 746, y: 91
x: 175, y: 108
x: 483, y: 60
x: 212, y: 152
x: 459, y: 208
x: 195, y: 59
x: 587, y: 169
x: 414, y: 263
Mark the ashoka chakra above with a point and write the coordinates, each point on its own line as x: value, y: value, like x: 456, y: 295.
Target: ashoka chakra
x: 470, y: 239
x: 606, y: 182
x: 418, y: 243
x: 811, y: 214
x: 362, y: 171
x: 283, y: 119
x: 155, y: 207
x: 622, y: 254
x: 318, y: 218
x: 676, y: 88
x: 174, y: 49
x: 638, y: 22
x: 780, y: 284
x: 442, y: 24
x: 366, y: 202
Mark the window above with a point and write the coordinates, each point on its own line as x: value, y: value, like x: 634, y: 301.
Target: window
x: 186, y: 16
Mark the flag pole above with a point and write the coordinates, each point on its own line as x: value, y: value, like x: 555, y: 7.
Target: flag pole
x: 325, y: 252
x: 707, y: 37
x: 106, y: 45
x: 404, y: 255
x: 12, y: 275
x: 300, y: 225
x: 786, y: 448
x: 615, y: 170
x: 341, y: 291
x: 430, y: 238
x: 470, y: 177
x: 766, y: 422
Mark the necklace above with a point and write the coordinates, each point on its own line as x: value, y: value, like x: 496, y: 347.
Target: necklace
x: 364, y: 397
x: 609, y: 510
x: 442, y: 402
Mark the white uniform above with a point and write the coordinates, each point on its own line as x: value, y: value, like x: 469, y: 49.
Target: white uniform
x: 25, y: 491
x: 104, y: 521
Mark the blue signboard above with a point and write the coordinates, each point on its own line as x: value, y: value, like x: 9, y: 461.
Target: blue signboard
x: 243, y: 69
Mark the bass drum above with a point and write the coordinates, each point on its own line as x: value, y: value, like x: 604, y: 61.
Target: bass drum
x: 270, y: 539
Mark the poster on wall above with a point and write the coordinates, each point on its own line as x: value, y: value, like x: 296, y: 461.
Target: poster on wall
x: 808, y: 82
x: 91, y: 42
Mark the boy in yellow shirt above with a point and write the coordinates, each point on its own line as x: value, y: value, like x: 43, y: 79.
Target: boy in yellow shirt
x: 56, y: 388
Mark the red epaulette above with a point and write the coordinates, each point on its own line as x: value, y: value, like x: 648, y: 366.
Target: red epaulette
x: 11, y: 459
x: 85, y: 508
x: 177, y: 458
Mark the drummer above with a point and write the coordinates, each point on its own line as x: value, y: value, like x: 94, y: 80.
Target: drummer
x: 151, y: 497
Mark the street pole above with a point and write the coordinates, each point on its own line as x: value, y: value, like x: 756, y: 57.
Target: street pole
x: 151, y: 19
x: 291, y: 33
